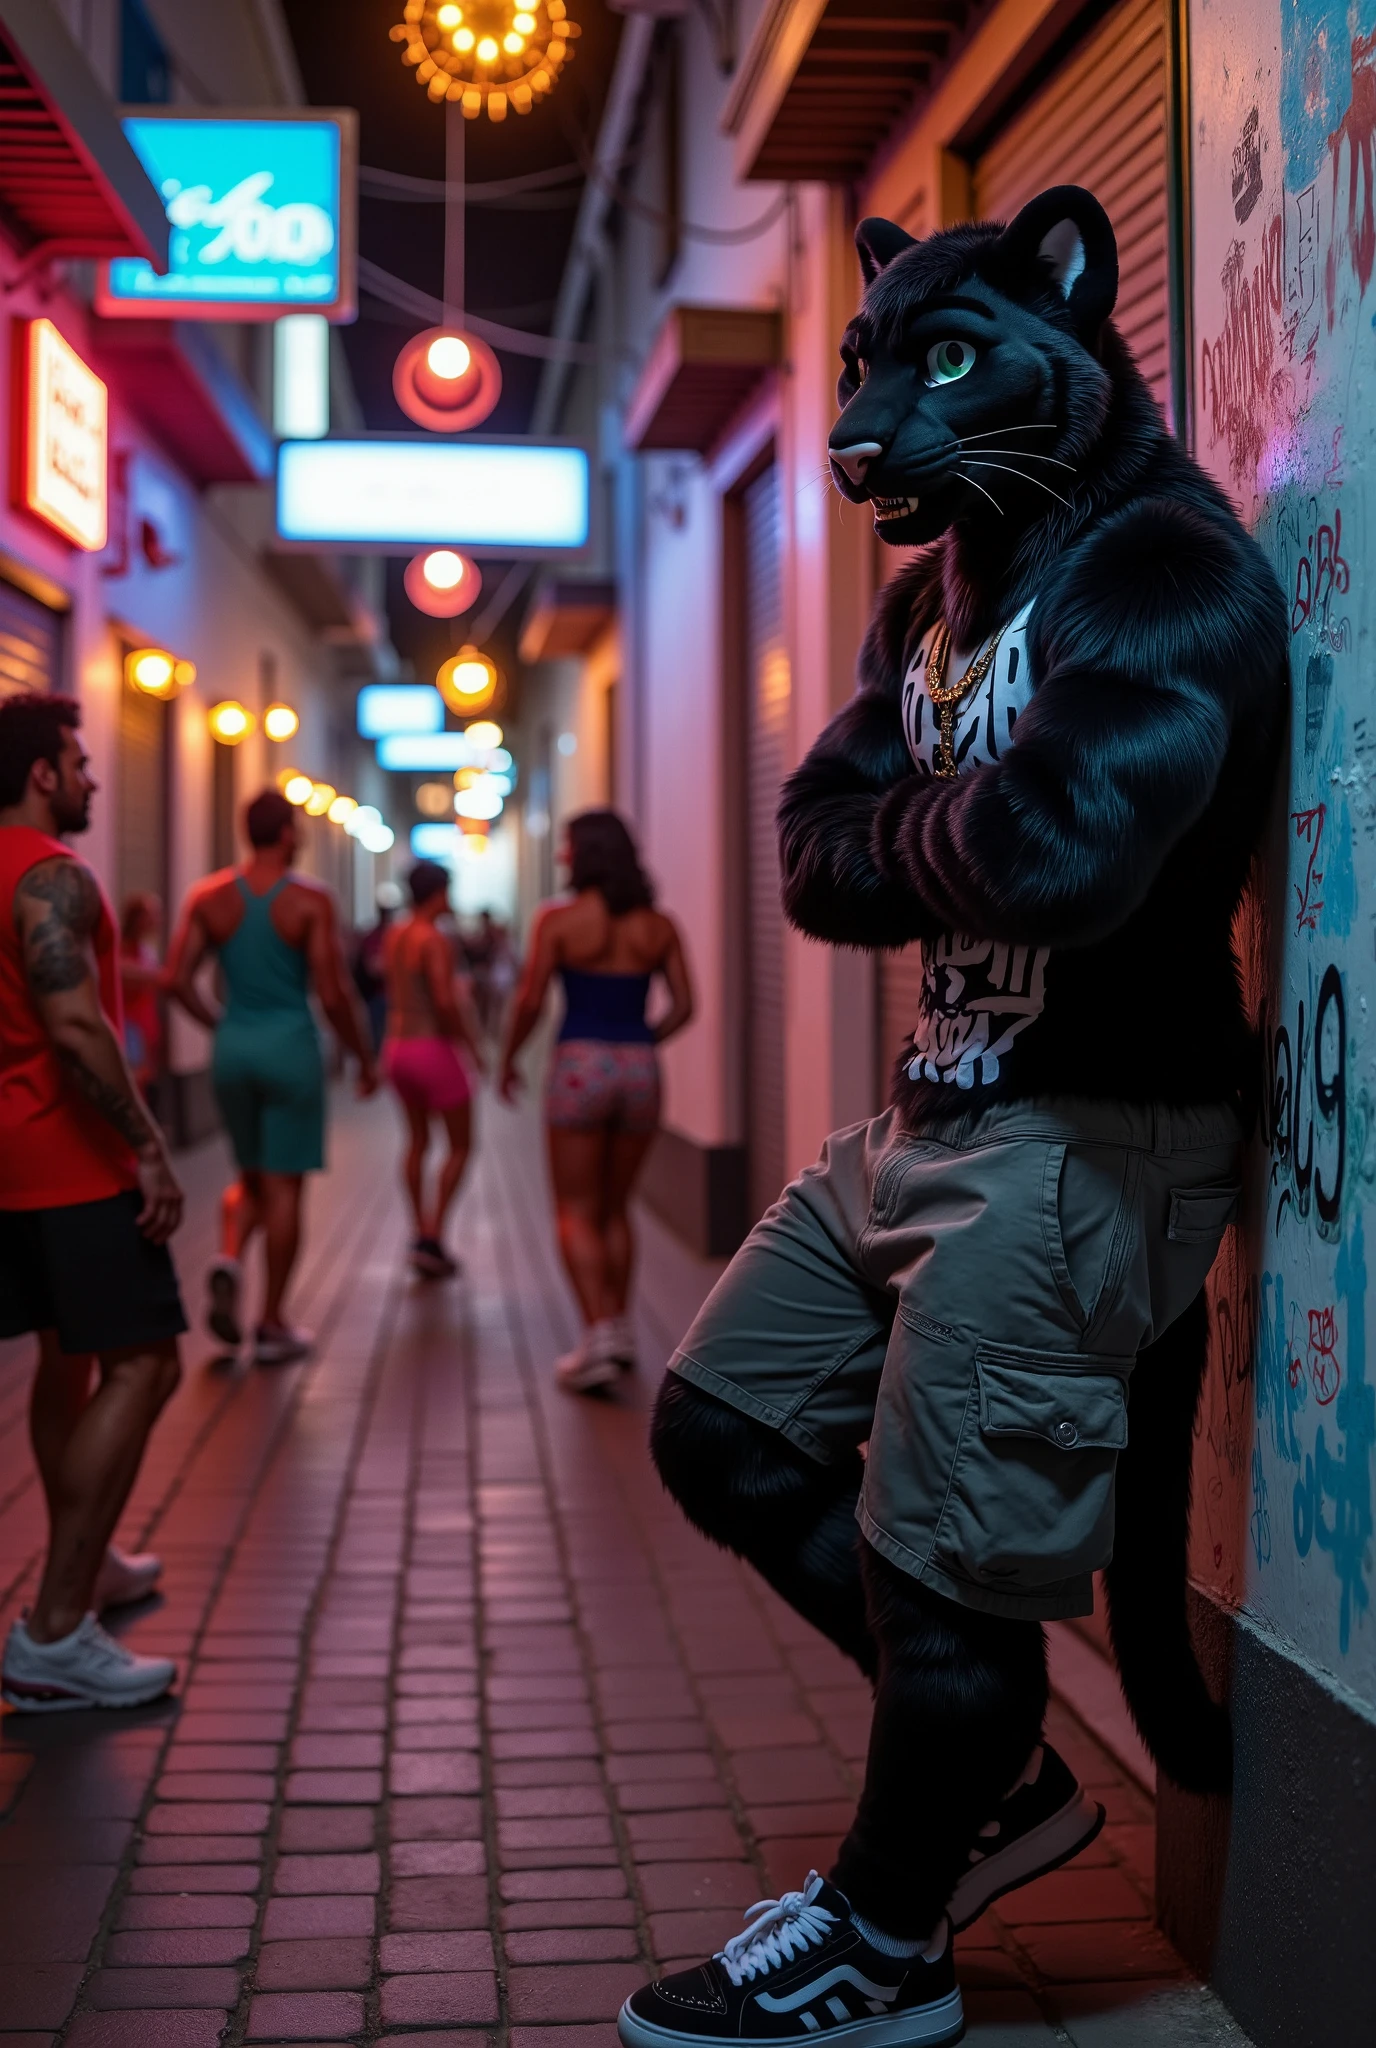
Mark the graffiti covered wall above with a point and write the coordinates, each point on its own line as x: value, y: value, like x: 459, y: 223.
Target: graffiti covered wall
x: 1283, y: 112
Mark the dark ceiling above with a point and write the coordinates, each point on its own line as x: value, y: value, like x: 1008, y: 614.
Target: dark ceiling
x: 515, y: 254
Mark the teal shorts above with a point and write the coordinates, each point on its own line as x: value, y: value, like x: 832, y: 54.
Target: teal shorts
x: 270, y: 1086
x: 969, y: 1304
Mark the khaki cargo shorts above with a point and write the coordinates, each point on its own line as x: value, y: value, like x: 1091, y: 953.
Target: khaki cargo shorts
x: 972, y: 1301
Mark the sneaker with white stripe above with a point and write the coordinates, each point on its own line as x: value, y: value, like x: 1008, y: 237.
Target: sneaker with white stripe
x: 802, y: 1969
x: 88, y: 1668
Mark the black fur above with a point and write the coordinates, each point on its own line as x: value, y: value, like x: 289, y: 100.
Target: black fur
x: 750, y: 1490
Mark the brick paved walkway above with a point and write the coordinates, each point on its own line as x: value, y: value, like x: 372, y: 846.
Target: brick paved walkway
x: 473, y: 1730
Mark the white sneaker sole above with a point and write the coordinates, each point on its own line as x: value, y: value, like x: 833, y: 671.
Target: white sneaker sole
x: 36, y: 1698
x: 942, y: 2020
x: 585, y: 1378
x: 1042, y: 1849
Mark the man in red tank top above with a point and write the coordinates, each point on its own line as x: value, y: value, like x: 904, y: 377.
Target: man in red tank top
x: 88, y: 1201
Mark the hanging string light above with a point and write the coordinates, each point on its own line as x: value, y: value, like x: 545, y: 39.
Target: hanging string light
x: 487, y: 53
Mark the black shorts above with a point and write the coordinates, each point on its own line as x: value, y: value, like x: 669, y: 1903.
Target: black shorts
x: 88, y: 1272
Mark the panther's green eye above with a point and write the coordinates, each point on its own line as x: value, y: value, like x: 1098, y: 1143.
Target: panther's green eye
x: 948, y: 361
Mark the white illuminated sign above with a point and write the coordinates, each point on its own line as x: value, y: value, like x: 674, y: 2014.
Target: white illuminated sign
x: 301, y: 377
x: 65, y: 429
x: 385, y: 708
x: 502, y: 496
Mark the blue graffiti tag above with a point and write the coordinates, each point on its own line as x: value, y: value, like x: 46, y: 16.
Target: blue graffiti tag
x: 1344, y: 1477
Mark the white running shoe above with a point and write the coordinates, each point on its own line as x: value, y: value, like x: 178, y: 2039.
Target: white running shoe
x: 281, y: 1344
x: 224, y: 1277
x: 88, y: 1668
x: 123, y: 1579
x: 590, y: 1366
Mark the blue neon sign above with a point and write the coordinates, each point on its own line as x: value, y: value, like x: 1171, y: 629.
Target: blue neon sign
x: 434, y: 842
x: 503, y: 497
x: 385, y: 708
x: 261, y: 213
x: 423, y: 753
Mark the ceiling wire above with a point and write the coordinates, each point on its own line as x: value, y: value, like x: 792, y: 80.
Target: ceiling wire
x: 409, y: 298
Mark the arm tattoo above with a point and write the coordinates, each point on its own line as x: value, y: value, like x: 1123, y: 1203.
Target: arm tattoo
x: 57, y: 959
x: 57, y: 950
x: 118, y: 1105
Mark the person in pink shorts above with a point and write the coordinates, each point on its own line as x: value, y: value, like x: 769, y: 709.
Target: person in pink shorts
x: 428, y: 1019
x: 606, y: 942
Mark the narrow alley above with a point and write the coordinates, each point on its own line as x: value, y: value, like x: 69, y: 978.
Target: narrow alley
x: 473, y: 1731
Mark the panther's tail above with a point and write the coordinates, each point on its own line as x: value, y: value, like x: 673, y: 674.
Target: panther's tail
x: 1189, y: 1736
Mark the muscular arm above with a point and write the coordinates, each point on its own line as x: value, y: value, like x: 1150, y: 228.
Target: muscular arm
x: 1145, y: 643
x: 332, y: 983
x: 57, y: 908
x: 190, y: 945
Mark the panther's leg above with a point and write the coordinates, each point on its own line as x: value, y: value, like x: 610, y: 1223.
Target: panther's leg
x: 752, y: 1491
x: 957, y: 1711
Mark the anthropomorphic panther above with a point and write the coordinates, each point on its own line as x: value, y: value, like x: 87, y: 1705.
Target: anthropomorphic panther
x: 1052, y: 775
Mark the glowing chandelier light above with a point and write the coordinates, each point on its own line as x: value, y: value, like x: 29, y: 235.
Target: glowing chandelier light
x: 487, y: 53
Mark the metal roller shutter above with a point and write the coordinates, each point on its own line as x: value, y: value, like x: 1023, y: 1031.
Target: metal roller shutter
x: 767, y: 709
x: 30, y: 643
x: 1100, y: 122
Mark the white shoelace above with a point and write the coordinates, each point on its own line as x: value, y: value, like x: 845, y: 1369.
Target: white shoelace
x: 775, y: 1931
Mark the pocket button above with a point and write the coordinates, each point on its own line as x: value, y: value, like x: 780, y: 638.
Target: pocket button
x: 1067, y: 1434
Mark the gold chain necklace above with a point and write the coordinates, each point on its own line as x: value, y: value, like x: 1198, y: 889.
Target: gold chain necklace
x: 945, y: 699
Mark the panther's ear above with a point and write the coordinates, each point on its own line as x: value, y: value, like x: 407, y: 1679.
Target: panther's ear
x: 1069, y: 234
x: 879, y: 241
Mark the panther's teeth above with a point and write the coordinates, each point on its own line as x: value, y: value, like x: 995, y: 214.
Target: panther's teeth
x: 893, y: 508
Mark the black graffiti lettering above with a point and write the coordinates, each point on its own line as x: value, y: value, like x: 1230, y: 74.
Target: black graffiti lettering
x: 1298, y: 1103
x: 1330, y: 1089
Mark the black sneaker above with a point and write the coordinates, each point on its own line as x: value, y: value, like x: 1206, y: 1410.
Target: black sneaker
x: 1046, y: 1819
x: 800, y: 1969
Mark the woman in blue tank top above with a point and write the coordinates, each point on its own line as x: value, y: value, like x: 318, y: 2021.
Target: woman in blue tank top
x: 606, y: 943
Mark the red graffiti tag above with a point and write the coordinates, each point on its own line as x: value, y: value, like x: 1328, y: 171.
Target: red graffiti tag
x: 1309, y: 826
x: 1236, y: 369
x: 1358, y: 129
x: 1321, y: 570
x: 1324, y: 1373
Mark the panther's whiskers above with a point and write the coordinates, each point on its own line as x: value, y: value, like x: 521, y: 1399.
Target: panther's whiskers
x: 1025, y: 455
x: 1027, y: 427
x: 983, y: 493
x: 1026, y: 478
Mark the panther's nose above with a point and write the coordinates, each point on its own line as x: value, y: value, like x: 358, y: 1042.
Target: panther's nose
x: 856, y: 459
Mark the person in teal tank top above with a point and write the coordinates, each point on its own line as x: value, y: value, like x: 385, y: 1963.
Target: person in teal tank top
x: 268, y: 1071
x: 277, y: 938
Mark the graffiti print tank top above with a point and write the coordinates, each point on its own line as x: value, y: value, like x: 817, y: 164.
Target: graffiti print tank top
x: 977, y: 994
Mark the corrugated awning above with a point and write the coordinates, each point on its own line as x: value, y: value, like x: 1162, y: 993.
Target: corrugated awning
x: 70, y: 185
x: 823, y: 81
x: 704, y: 364
x: 565, y: 617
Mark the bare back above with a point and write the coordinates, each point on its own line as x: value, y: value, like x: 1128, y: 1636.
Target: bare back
x: 584, y: 934
x: 419, y: 969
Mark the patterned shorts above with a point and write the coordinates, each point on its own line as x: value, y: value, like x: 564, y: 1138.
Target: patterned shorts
x: 596, y: 1085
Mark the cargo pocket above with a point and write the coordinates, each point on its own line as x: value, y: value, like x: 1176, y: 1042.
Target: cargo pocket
x: 1031, y: 1497
x: 1201, y: 1215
